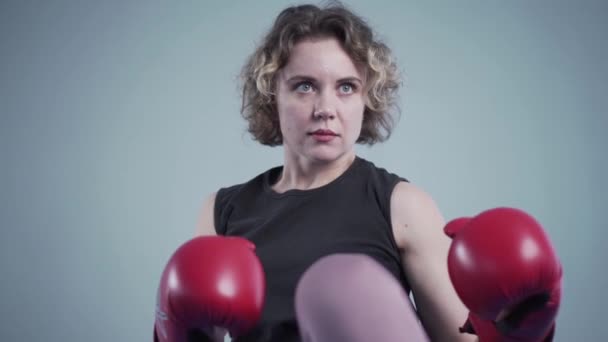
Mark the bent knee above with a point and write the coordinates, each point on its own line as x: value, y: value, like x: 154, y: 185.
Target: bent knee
x: 343, y: 296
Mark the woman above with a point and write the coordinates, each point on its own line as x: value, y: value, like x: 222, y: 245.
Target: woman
x: 341, y: 241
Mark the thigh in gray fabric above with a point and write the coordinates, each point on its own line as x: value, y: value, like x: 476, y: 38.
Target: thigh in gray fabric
x: 351, y: 297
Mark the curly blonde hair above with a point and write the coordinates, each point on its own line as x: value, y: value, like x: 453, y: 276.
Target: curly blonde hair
x: 296, y: 23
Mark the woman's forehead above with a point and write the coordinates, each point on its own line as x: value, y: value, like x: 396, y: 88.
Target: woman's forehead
x: 320, y: 58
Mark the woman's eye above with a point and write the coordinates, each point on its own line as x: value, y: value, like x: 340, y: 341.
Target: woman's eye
x: 304, y: 87
x: 347, y: 88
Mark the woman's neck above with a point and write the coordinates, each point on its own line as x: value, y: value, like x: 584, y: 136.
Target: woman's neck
x: 303, y: 174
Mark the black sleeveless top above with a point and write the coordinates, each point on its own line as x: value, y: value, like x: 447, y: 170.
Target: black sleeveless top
x: 293, y: 229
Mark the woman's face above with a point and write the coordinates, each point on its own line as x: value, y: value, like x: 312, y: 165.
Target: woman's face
x: 320, y: 101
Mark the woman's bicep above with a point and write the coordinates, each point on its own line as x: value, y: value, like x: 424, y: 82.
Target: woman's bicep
x: 206, y: 224
x: 418, y: 226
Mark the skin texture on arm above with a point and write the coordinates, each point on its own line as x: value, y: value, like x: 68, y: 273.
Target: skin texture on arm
x: 418, y: 229
x: 205, y: 225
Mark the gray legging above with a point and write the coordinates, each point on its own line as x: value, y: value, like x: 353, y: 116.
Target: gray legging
x: 351, y: 297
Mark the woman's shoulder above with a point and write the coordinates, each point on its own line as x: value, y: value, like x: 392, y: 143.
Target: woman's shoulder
x: 380, y: 173
x: 253, y: 185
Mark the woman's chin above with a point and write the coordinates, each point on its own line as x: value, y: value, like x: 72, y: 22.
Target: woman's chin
x: 327, y: 155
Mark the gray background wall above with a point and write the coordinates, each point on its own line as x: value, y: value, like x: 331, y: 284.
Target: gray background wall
x: 119, y: 117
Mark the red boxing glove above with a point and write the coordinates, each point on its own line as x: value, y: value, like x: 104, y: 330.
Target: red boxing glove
x: 507, y: 273
x: 209, y: 282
